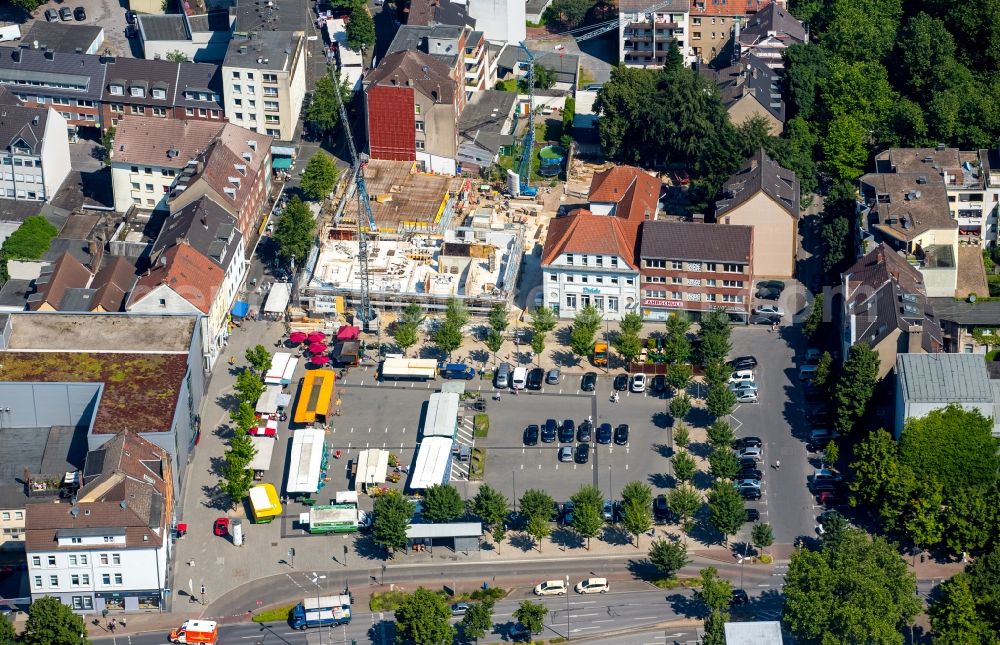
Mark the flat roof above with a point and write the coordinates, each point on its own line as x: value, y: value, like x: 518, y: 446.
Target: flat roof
x: 163, y: 27
x: 403, y: 195
x: 446, y: 530
x: 944, y: 378
x: 754, y: 633
x: 63, y: 36
x: 104, y: 332
x: 432, y: 463
x: 910, y: 204
x: 265, y: 448
x: 268, y: 50
x: 982, y: 312
x: 304, y: 461
x: 442, y: 415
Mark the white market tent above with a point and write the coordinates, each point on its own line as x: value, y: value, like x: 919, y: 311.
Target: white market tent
x: 268, y: 401
x: 373, y: 465
x: 283, y: 367
x: 305, y: 461
x: 433, y: 462
x: 278, y: 297
x: 441, y: 419
x: 262, y: 458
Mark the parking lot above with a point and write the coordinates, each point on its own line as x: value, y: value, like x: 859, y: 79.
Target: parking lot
x: 109, y: 14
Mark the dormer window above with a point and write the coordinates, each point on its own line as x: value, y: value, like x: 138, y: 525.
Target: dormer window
x: 159, y: 94
x: 117, y: 89
x: 241, y: 168
x: 135, y: 90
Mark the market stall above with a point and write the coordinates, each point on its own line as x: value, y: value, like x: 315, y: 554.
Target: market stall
x: 264, y: 503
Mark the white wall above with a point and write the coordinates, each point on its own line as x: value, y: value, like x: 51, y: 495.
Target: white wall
x: 440, y: 165
x: 556, y: 286
x: 55, y: 153
x: 174, y: 303
x: 122, y: 179
x: 500, y: 20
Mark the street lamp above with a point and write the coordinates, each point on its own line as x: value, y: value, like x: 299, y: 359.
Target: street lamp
x: 567, y: 607
x: 315, y: 580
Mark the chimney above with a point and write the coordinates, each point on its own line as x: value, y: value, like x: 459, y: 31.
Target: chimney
x: 914, y: 338
x: 698, y: 217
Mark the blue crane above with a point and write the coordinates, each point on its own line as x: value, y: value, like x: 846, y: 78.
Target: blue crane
x: 528, y: 143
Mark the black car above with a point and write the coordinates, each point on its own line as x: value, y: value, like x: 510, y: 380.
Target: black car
x: 567, y: 431
x: 588, y: 382
x: 740, y: 597
x: 565, y: 513
x: 753, y: 515
x: 813, y: 392
x: 535, y: 378
x: 604, y: 433
x: 819, y: 445
x: 582, y: 453
x: 826, y: 485
x: 130, y: 17
x: 765, y: 319
x: 519, y: 633
x: 549, y: 431
x: 661, y: 510
x: 749, y: 442
x: 750, y: 473
x: 771, y: 284
x: 80, y: 13
x: 531, y: 435
x: 821, y: 417
x: 621, y: 382
x: 768, y: 294
x: 584, y: 432
x: 748, y: 462
x: 621, y: 434
x: 659, y: 384
x: 130, y: 31
x: 743, y: 363
x: 750, y: 492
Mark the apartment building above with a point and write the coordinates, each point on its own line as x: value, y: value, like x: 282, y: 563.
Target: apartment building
x: 750, y: 88
x: 713, y: 22
x: 160, y: 89
x: 646, y: 29
x: 461, y: 49
x: 768, y: 33
x: 110, y: 548
x: 71, y: 84
x: 694, y: 268
x: 34, y: 153
x: 264, y: 82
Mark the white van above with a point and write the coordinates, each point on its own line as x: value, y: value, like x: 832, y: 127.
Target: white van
x: 520, y: 378
x: 551, y: 587
x: 592, y: 585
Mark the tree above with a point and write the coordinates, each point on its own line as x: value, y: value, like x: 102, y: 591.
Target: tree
x: 682, y: 436
x: 680, y: 406
x: 8, y: 635
x: 490, y: 506
x: 723, y: 463
x: 259, y: 358
x: 456, y: 313
x: 567, y: 14
x: 177, y: 56
x: 537, y: 503
x: 684, y: 466
x: 581, y: 340
x: 824, y: 370
x: 538, y: 345
x: 805, y: 71
x: 531, y: 615
x: 320, y: 176
x: 243, y: 417
x: 953, y: 446
x: 499, y: 318
x: 668, y: 555
x: 412, y: 314
x: 684, y: 501
x: 539, y: 529
x: 107, y: 141
x: 498, y: 534
x: 405, y: 335
x: 478, y: 620
x: 815, y: 318
x: 543, y: 320
x: 637, y: 514
x: 875, y: 468
x: 954, y: 614
x: 588, y: 318
x: 628, y: 346
x: 985, y: 584
x: 855, y: 386
x: 679, y: 376
x: 28, y: 5
x: 392, y: 514
x: 31, y: 239
x: 714, y: 591
x: 442, y: 503
x: 323, y: 112
x: 715, y: 627
x: 424, y: 617
x: 248, y: 386
x: 720, y: 400
x: 716, y: 373
x: 50, y: 621
x: 845, y: 149
x: 725, y: 505
x: 494, y: 341
x: 361, y: 29
x: 631, y: 323
x: 971, y: 516
x: 720, y: 434
x: 834, y: 524
x: 237, y: 478
x: 761, y: 535
x: 588, y: 512
x: 837, y: 241
x: 831, y: 454
x: 922, y: 518
x: 861, y: 30
x: 676, y: 346
x: 715, y: 323
x: 447, y: 337
x: 544, y: 78
x: 295, y: 231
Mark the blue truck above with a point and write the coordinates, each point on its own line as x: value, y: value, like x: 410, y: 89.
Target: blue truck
x: 321, y: 611
x: 456, y: 370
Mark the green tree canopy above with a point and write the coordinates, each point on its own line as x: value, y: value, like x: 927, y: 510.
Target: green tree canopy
x: 537, y: 503
x: 953, y: 445
x: 637, y: 509
x: 668, y: 555
x: 723, y: 463
x: 720, y: 434
x: 323, y: 112
x: 588, y: 512
x: 720, y: 400
x: 405, y: 334
x: 679, y: 406
x: 320, y: 176
x: 543, y: 320
x: 714, y: 591
x: 538, y: 528
x: 684, y: 501
x: 478, y: 620
x: 628, y: 345
x: 499, y: 318
x: 360, y: 29
x: 442, y: 503
x: 392, y: 514
x: 531, y: 615
x: 248, y: 387
x: 31, y: 239
x: 259, y: 358
x: 856, y: 385
x: 684, y: 466
x: 725, y: 505
x: 424, y: 617
x: 8, y: 635
x: 50, y: 621
x: 295, y: 231
x: 761, y: 535
x: 490, y: 506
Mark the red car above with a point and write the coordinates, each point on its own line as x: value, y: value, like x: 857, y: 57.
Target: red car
x: 830, y: 498
x: 221, y: 527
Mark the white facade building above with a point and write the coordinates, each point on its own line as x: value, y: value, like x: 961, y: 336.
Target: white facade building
x: 574, y: 280
x: 34, y: 160
x: 501, y: 21
x: 644, y: 36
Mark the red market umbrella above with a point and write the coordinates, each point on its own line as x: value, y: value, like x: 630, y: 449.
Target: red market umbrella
x: 316, y: 337
x: 317, y: 348
x: 348, y: 332
x: 320, y: 359
x: 297, y: 336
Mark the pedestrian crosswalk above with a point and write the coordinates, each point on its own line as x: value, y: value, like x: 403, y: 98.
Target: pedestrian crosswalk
x: 460, y: 469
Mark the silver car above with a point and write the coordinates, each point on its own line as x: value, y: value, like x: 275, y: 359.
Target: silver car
x: 752, y: 452
x: 746, y: 396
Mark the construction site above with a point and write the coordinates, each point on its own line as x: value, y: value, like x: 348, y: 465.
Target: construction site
x: 438, y: 238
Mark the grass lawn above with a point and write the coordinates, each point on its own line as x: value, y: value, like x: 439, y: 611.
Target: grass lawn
x: 273, y: 614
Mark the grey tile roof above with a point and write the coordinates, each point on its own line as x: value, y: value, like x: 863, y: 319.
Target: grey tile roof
x: 206, y: 226
x: 693, y: 241
x: 751, y: 76
x: 985, y: 313
x: 24, y: 124
x: 485, y: 117
x: 437, y: 12
x: 761, y: 174
x: 211, y: 21
x: 667, y: 6
x: 564, y: 66
x: 163, y: 27
x: 139, y: 72
x: 85, y: 72
x: 203, y: 78
x: 427, y: 73
x: 944, y: 378
x: 773, y: 19
x: 267, y: 50
x: 62, y: 36
x: 423, y: 39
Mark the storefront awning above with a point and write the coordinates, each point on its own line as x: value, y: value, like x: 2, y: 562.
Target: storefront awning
x: 240, y: 308
x: 281, y: 163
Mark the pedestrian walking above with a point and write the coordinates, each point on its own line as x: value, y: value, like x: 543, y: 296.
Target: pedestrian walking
x: 123, y: 623
x: 777, y: 464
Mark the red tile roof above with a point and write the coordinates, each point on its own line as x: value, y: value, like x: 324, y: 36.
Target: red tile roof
x: 187, y: 272
x: 231, y: 156
x: 169, y: 143
x: 728, y: 7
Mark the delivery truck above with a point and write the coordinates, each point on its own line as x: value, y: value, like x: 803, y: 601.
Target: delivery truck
x: 321, y: 611
x: 196, y: 631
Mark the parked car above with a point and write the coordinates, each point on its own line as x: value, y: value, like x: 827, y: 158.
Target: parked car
x: 659, y: 384
x: 582, y: 453
x: 66, y: 14
x: 771, y: 284
x: 604, y: 433
x: 535, y: 378
x: 661, y: 509
x: 753, y: 515
x: 131, y: 31
x: 831, y: 498
x: 750, y: 473
x: 221, y: 527
x: 749, y: 442
x: 519, y: 378
x: 567, y: 431
x: 549, y: 431
x: 768, y: 294
x: 739, y: 597
x: 747, y: 483
x: 621, y: 434
x: 736, y: 387
x: 825, y: 474
x: 812, y: 356
x: 746, y: 396
x: 748, y: 462
x: 551, y: 588
x: 592, y: 585
x: 765, y: 320
x: 459, y: 609
x: 813, y: 392
x: 822, y: 434
x: 130, y: 17
x: 502, y: 377
x: 519, y: 633
x: 608, y: 511
x: 80, y: 13
x: 566, y: 513
x: 750, y: 493
x: 588, y: 382
x: 741, y: 375
x: 638, y: 382
x: 750, y: 453
x: 825, y: 485
x: 819, y: 417
x: 566, y: 453
x: 531, y: 435
x: 769, y: 310
x: 553, y: 377
x: 51, y: 15
x: 584, y: 432
x: 743, y: 363
x: 621, y: 382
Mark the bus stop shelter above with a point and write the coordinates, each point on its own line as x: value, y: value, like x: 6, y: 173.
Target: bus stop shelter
x: 457, y: 536
x: 373, y: 466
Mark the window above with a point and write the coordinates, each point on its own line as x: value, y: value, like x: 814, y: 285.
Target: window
x: 270, y: 78
x: 54, y: 581
x: 420, y: 145
x: 271, y: 118
x: 569, y: 278
x: 148, y: 171
x: 733, y: 283
x: 629, y: 281
x: 74, y: 580
x: 116, y: 558
x: 656, y: 264
x: 655, y: 278
x: 569, y: 259
x: 599, y: 279
x: 118, y: 578
x: 106, y: 578
x: 72, y: 560
x: 83, y: 560
x: 249, y: 76
x: 553, y: 277
x: 711, y: 283
x: 271, y: 106
x: 239, y: 116
x: 599, y: 259
x: 104, y: 559
x: 117, y: 90
x: 585, y: 301
x: 710, y: 266
x: 614, y: 261
x: 150, y: 202
x: 110, y: 538
x: 85, y: 578
x: 149, y: 188
x: 274, y: 132
x: 584, y: 279
x: 117, y: 107
x: 571, y: 301
x: 676, y: 265
x: 138, y: 109
x: 36, y: 560
x: 236, y: 74
x: 189, y: 111
x: 676, y: 280
x: 612, y: 303
x: 6, y: 515
x: 202, y: 112
x: 271, y: 91
x: 599, y: 303
x: 158, y: 111
x: 84, y: 603
x: 728, y: 298
x: 137, y: 91
x: 419, y: 125
x: 168, y: 173
x: 416, y: 109
x: 252, y: 103
x: 238, y: 89
x: 710, y: 297
x: 135, y: 185
x: 52, y: 561
x: 251, y: 89
x: 38, y: 581
x: 614, y: 280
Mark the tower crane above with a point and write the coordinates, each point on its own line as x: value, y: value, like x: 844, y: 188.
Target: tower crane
x: 366, y: 311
